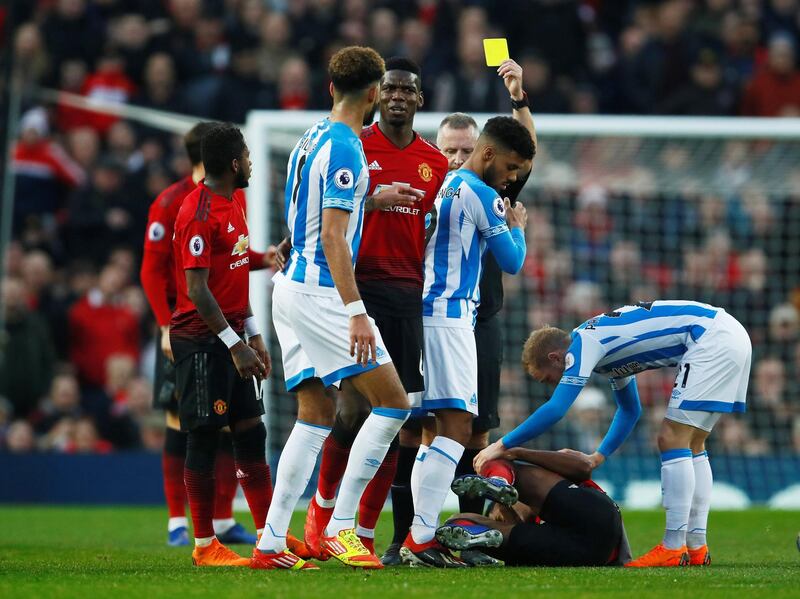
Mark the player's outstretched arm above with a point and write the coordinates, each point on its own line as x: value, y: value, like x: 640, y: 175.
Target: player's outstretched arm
x: 627, y: 415
x: 397, y: 194
x: 537, y: 423
x: 246, y: 360
x: 340, y: 261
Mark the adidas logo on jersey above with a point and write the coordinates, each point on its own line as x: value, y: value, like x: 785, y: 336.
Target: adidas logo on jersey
x: 230, y: 228
x: 374, y: 166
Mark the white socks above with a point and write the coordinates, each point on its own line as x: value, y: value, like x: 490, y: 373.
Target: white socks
x: 698, y: 517
x: 366, y: 456
x: 223, y: 525
x: 421, y: 453
x: 295, y: 467
x: 436, y: 472
x: 177, y: 522
x: 677, y: 488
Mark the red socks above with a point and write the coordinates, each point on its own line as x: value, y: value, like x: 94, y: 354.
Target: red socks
x: 332, y: 467
x: 225, y: 474
x: 174, y: 487
x: 369, y: 510
x: 200, y: 491
x: 499, y: 469
x: 254, y: 476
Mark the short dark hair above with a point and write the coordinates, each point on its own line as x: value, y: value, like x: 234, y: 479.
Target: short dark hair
x: 222, y: 144
x: 402, y: 63
x: 193, y: 138
x: 511, y: 134
x: 355, y: 68
x: 458, y: 120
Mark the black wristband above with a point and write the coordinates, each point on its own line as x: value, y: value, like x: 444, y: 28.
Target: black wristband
x: 517, y: 104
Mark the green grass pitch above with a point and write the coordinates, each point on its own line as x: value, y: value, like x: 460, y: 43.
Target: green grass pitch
x: 55, y: 552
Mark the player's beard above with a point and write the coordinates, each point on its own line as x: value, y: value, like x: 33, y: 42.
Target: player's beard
x: 490, y: 178
x: 241, y: 181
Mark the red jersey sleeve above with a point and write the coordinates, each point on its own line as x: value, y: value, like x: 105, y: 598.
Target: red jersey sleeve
x: 155, y: 275
x: 196, y: 237
x: 256, y: 258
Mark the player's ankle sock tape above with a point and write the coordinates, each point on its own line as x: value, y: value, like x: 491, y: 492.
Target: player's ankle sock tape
x: 225, y: 442
x: 346, y: 426
x: 201, y: 450
x: 249, y: 445
x: 175, y: 442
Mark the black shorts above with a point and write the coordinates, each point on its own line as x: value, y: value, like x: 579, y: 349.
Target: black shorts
x: 581, y: 527
x: 489, y: 342
x: 211, y: 394
x: 403, y: 339
x: 164, y: 397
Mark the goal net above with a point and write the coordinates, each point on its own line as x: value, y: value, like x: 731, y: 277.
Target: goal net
x: 623, y: 209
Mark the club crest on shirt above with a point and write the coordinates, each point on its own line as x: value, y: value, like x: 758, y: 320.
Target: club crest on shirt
x: 156, y: 232
x: 499, y: 207
x: 196, y: 245
x: 569, y: 361
x: 220, y: 407
x: 343, y: 178
x: 241, y: 246
x: 425, y: 172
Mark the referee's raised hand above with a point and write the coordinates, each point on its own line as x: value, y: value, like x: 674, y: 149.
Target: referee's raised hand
x: 247, y: 362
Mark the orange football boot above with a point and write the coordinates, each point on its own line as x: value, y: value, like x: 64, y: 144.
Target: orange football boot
x: 700, y: 556
x: 661, y: 557
x: 298, y: 547
x: 317, y: 519
x: 217, y: 554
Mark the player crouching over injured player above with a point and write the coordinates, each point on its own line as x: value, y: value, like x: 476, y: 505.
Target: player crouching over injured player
x: 547, y: 512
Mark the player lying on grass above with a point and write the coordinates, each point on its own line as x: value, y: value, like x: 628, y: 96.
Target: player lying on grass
x: 547, y: 512
x: 712, y: 352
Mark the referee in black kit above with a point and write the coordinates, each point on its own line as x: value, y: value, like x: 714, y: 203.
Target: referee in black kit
x: 456, y: 139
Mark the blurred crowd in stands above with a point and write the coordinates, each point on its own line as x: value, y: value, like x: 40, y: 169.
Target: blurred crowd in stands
x: 76, y: 366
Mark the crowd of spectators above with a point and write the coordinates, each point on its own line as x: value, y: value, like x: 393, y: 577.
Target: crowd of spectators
x: 77, y: 350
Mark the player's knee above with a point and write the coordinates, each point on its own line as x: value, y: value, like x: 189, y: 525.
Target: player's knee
x: 250, y: 444
x: 201, y: 449
x: 457, y: 426
x: 346, y: 426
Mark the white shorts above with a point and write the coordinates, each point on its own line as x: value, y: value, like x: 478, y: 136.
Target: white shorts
x: 713, y: 374
x: 450, y: 368
x: 314, y: 333
x: 695, y: 418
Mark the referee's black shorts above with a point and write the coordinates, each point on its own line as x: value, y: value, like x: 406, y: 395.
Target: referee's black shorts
x: 164, y: 397
x: 581, y: 527
x: 211, y: 394
x: 402, y: 336
x: 489, y: 343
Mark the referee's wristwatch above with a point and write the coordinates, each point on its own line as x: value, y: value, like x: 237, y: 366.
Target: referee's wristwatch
x: 518, y: 104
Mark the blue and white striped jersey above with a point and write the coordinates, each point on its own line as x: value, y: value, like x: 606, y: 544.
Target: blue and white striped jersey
x: 632, y: 339
x: 327, y: 169
x: 467, y: 217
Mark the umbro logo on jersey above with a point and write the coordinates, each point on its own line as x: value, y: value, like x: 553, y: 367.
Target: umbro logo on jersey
x: 230, y: 228
x: 374, y: 166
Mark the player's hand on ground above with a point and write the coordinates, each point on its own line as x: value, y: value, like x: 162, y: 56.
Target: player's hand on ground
x: 256, y: 342
x: 516, y: 216
x: 397, y: 194
x: 247, y: 362
x: 166, y: 346
x: 494, y: 451
x: 362, y: 340
x: 511, y: 73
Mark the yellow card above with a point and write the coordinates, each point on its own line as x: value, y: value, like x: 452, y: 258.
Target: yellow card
x: 496, y: 50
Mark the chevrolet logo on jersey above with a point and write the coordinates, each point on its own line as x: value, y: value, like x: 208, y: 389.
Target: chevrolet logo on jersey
x: 241, y: 245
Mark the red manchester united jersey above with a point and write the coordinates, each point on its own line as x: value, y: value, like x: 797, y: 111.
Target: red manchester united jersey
x: 158, y: 267
x: 393, y: 241
x: 211, y: 232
